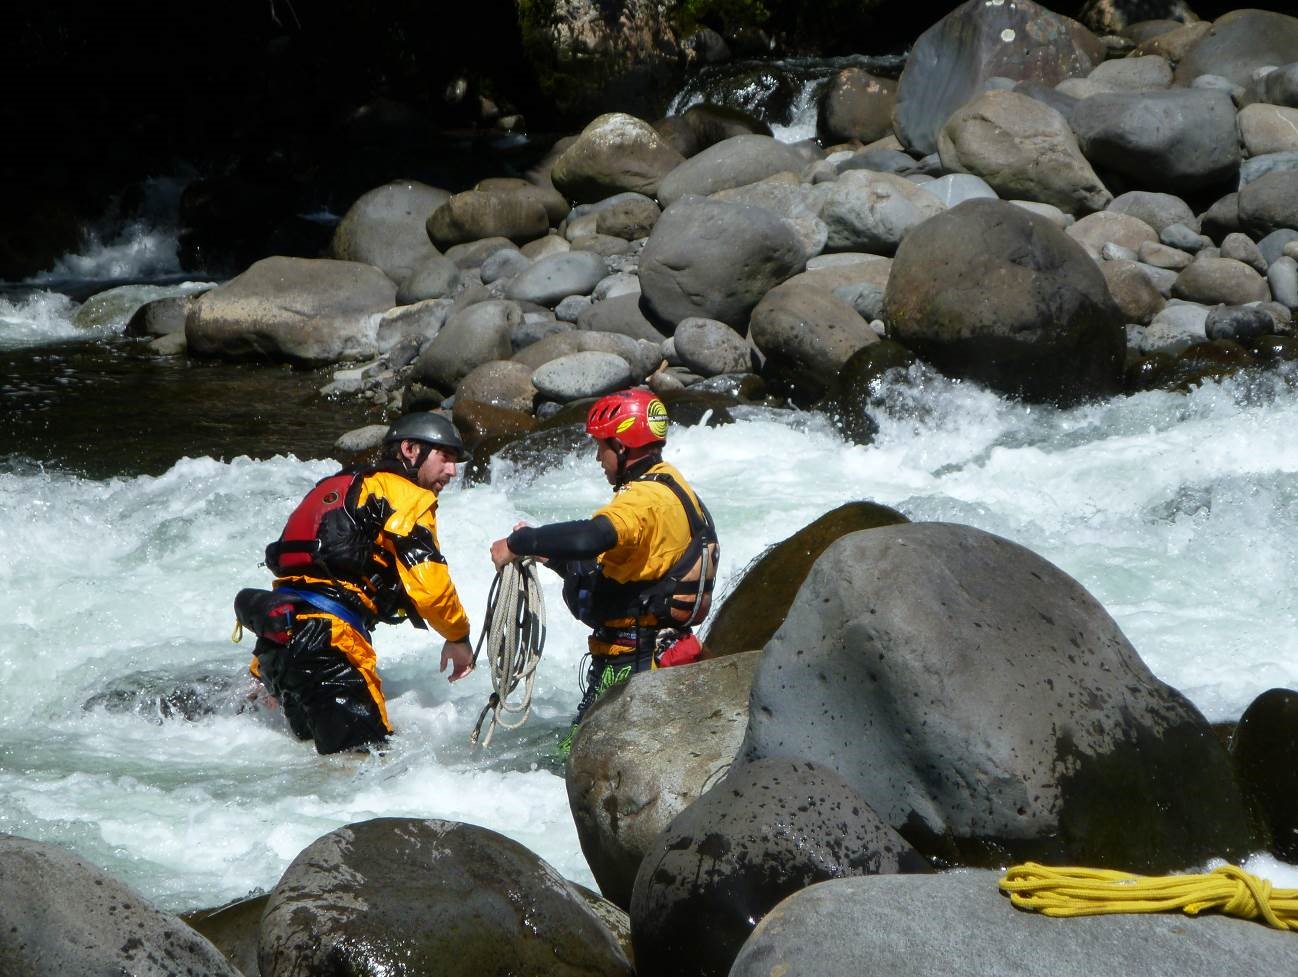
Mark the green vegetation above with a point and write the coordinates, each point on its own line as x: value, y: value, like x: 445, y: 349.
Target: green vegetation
x: 723, y: 16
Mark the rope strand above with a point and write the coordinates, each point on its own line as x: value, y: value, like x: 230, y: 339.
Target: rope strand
x: 1075, y: 891
x: 514, y: 634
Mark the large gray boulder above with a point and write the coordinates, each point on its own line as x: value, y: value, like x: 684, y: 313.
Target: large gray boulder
x: 806, y: 334
x: 716, y: 260
x: 870, y: 212
x: 1180, y: 140
x: 307, y: 311
x: 557, y: 276
x: 948, y: 64
x: 615, y: 152
x: 1211, y: 281
x: 1270, y: 203
x: 767, y: 830
x: 856, y: 105
x: 386, y: 228
x: 991, y: 292
x: 1238, y: 44
x: 1158, y: 210
x: 709, y: 348
x: 786, y: 196
x: 989, y: 709
x: 472, y: 336
x: 917, y: 925
x: 1280, y: 87
x: 1024, y: 149
x: 642, y: 355
x: 589, y: 373
x: 621, y: 314
x: 60, y: 916
x: 733, y: 162
x: 474, y: 215
x: 428, y: 897
x: 647, y: 751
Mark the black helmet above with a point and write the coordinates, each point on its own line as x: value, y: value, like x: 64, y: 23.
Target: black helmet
x: 427, y: 427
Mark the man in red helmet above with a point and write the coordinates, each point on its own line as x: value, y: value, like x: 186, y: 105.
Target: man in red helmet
x: 640, y: 571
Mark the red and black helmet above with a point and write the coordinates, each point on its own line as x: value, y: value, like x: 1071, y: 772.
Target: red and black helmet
x: 635, y: 418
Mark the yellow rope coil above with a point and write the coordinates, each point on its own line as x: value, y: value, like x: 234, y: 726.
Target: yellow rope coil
x: 1093, y: 891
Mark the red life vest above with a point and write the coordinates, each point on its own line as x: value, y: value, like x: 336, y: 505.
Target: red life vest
x: 322, y: 537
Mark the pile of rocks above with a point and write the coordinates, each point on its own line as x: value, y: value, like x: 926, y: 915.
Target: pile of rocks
x: 1051, y: 213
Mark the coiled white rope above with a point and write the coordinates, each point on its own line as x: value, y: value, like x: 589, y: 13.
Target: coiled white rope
x: 514, y: 634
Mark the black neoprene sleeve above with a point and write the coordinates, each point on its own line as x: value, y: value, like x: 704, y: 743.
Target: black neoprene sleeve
x: 577, y: 540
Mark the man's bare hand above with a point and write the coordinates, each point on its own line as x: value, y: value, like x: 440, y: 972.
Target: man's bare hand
x: 501, y: 554
x: 460, y: 656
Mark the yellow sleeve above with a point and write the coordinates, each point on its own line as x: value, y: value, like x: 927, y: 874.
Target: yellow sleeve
x: 431, y: 590
x: 411, y: 532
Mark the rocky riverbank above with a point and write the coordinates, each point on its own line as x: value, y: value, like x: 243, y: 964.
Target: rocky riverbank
x: 1051, y: 213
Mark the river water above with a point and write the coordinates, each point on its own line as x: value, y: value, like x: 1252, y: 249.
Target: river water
x: 136, y: 497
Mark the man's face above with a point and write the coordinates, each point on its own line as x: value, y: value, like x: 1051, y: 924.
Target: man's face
x: 606, y: 454
x: 437, y: 470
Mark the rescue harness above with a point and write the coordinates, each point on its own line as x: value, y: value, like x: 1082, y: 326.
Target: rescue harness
x: 679, y: 599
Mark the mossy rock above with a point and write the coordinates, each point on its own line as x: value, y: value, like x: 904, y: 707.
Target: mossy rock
x: 579, y: 84
x: 755, y: 608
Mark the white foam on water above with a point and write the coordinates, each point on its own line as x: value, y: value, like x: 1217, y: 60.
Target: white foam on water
x: 1176, y: 511
x: 138, y: 250
x: 41, y: 317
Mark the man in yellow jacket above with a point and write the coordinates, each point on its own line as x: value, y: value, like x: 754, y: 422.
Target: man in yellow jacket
x: 360, y: 548
x: 640, y: 571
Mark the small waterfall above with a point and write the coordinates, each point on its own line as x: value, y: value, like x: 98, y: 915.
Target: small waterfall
x: 784, y: 93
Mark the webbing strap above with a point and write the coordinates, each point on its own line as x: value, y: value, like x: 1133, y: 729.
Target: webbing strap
x: 330, y: 606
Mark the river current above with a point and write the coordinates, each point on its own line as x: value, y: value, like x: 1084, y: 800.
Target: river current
x: 136, y: 498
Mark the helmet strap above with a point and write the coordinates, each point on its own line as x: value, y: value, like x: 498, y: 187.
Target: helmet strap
x: 630, y: 470
x: 412, y: 467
